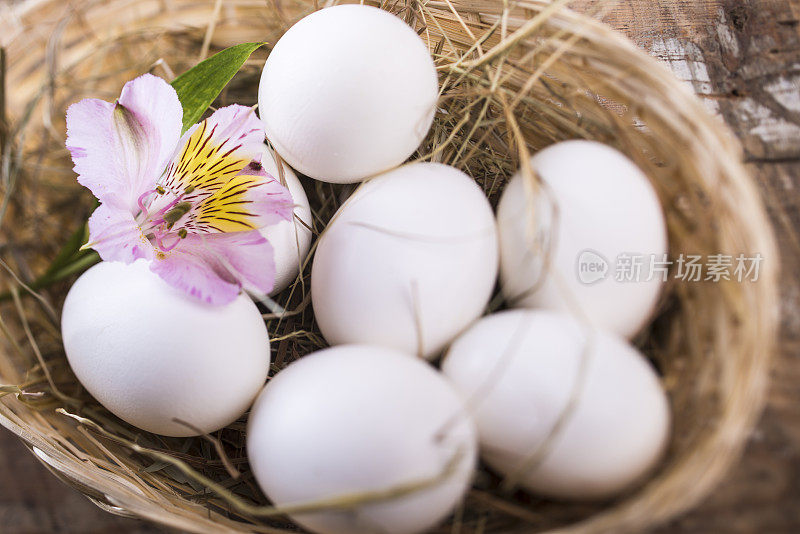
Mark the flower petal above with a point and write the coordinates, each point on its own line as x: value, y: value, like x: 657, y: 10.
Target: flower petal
x: 114, y: 234
x: 120, y: 150
x: 156, y: 106
x: 272, y: 201
x: 249, y: 201
x: 215, y: 267
x: 214, y: 151
x: 192, y: 275
x: 249, y: 258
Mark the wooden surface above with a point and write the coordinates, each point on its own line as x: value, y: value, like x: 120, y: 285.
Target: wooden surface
x: 743, y: 58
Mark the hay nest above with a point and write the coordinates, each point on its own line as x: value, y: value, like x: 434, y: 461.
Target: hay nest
x: 514, y: 79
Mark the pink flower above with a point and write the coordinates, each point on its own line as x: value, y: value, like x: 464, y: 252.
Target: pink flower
x: 191, y: 204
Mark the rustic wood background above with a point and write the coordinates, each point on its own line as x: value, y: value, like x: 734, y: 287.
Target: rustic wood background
x: 743, y: 59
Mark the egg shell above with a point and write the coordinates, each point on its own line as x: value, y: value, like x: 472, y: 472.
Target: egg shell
x: 150, y: 353
x: 348, y: 92
x: 413, y: 250
x: 519, y: 369
x: 290, y: 240
x: 354, y: 419
x: 605, y: 206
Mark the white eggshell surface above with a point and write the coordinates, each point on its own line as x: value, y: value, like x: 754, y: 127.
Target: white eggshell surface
x: 150, y: 353
x: 290, y: 240
x: 408, y: 262
x: 355, y: 419
x: 349, y: 91
x: 605, y: 207
x: 519, y: 369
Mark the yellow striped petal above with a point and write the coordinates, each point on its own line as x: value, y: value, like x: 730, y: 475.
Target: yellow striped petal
x: 229, y: 208
x: 206, y: 164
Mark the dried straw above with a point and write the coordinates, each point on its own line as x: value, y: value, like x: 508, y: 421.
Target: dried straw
x: 515, y: 77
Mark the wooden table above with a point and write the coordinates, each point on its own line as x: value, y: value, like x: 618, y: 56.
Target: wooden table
x: 743, y: 58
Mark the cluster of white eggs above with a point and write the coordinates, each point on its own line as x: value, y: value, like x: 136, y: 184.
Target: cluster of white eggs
x: 549, y: 392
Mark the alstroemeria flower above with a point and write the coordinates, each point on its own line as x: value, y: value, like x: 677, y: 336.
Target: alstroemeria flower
x: 192, y: 204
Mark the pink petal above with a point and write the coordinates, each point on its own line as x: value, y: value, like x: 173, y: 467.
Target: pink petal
x: 249, y: 258
x: 248, y: 201
x: 206, y: 163
x: 215, y: 267
x: 241, y: 125
x: 235, y: 129
x: 120, y: 150
x: 114, y: 234
x: 219, y: 163
x: 192, y: 275
x: 155, y: 105
x: 271, y: 201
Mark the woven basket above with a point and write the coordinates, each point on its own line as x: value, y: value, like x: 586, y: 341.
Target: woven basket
x: 513, y: 80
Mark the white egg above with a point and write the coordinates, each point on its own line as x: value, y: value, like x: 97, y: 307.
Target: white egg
x: 409, y: 261
x: 519, y: 369
x: 290, y: 240
x: 355, y: 419
x: 348, y: 92
x: 606, y: 211
x: 151, y: 354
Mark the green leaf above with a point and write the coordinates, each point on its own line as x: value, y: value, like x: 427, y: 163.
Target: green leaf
x: 70, y: 250
x: 199, y: 86
x: 77, y: 264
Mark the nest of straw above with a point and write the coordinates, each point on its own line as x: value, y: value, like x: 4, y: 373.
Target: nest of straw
x: 514, y: 78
